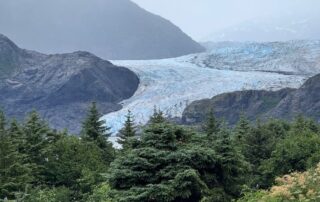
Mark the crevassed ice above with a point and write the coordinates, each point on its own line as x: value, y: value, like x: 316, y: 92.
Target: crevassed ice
x: 171, y: 84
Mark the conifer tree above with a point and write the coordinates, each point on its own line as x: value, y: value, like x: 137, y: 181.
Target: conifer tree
x: 157, y: 117
x: 35, y: 140
x: 242, y: 129
x: 232, y: 163
x: 212, y: 125
x: 127, y: 132
x: 17, y: 135
x: 95, y: 130
x: 14, y: 173
x: 166, y: 166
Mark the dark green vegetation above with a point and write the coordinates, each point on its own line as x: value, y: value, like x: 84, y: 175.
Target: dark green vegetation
x: 167, y: 163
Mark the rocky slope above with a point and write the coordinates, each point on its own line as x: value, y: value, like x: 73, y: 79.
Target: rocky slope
x: 112, y: 29
x: 285, y: 103
x: 60, y: 86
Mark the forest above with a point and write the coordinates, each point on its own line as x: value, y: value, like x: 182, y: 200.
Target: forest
x: 268, y: 160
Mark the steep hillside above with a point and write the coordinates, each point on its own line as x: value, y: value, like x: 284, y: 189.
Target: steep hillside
x: 60, y: 86
x: 285, y: 103
x: 112, y: 29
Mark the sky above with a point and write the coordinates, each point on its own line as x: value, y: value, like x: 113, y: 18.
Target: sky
x: 201, y: 18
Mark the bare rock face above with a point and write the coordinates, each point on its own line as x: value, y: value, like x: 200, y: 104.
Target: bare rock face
x: 60, y: 86
x: 112, y: 29
x: 284, y: 104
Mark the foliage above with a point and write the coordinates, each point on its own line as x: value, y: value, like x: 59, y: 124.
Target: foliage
x: 211, y: 126
x: 169, y: 163
x: 60, y: 194
x: 297, y: 186
x: 15, y: 173
x: 95, y: 130
x: 165, y: 167
x: 127, y: 132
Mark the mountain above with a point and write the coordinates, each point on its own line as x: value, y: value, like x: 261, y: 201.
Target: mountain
x: 290, y: 57
x: 284, y: 104
x: 60, y: 86
x: 112, y: 29
x: 294, y: 26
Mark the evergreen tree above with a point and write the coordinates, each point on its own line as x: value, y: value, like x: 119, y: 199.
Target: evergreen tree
x: 14, y: 173
x: 95, y: 130
x: 35, y: 142
x: 212, y: 125
x: 257, y: 147
x: 166, y: 166
x: 74, y: 164
x: 157, y: 117
x: 17, y: 136
x: 2, y: 121
x: 127, y: 132
x: 232, y: 164
x: 242, y: 129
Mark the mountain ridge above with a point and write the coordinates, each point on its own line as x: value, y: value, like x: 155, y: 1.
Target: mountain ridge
x: 283, y: 104
x: 60, y: 86
x: 126, y: 32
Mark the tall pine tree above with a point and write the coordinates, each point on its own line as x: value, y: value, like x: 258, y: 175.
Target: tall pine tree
x: 211, y: 126
x: 35, y: 142
x: 157, y: 117
x: 232, y: 164
x: 127, y: 132
x: 14, y: 172
x: 95, y: 130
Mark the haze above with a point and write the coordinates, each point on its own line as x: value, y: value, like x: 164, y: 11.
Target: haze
x: 203, y: 18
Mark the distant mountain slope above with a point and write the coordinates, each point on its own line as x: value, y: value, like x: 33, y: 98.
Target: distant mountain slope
x: 294, y: 26
x: 112, y: 29
x: 291, y: 57
x: 60, y: 86
x: 285, y: 103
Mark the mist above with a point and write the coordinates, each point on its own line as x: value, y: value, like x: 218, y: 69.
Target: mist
x: 203, y: 18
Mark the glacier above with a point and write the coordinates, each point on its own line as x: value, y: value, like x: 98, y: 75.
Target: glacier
x: 171, y: 84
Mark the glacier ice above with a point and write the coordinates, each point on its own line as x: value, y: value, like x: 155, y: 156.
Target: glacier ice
x: 171, y: 84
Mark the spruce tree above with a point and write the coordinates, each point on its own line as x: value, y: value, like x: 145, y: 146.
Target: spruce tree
x: 2, y: 121
x: 127, y: 132
x: 14, y: 172
x: 157, y: 117
x: 242, y: 129
x: 211, y: 126
x: 232, y: 164
x: 95, y: 130
x: 17, y: 135
x: 35, y: 142
x: 166, y: 166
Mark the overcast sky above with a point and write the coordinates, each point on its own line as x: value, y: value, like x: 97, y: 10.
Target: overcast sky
x: 200, y: 18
